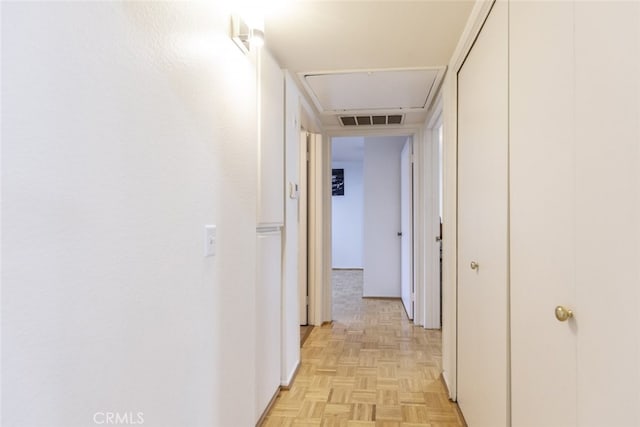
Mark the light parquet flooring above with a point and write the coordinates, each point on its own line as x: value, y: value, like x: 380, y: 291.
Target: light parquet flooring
x: 371, y: 367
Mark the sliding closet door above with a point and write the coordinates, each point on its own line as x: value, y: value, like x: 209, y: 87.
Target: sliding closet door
x: 542, y: 213
x: 482, y: 226
x: 575, y: 213
x: 608, y: 212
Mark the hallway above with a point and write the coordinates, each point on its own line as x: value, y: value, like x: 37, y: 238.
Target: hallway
x: 370, y: 367
x: 167, y: 213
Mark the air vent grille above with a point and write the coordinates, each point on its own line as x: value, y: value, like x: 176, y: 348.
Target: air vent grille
x: 393, y: 119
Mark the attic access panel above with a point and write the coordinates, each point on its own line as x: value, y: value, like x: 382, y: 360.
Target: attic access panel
x: 372, y: 90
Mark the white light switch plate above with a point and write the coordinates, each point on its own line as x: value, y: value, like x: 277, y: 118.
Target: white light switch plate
x: 293, y: 190
x: 209, y: 240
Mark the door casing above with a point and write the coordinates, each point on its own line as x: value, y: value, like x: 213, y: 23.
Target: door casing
x: 406, y: 229
x: 424, y: 230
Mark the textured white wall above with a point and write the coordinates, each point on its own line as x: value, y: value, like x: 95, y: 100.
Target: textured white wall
x: 347, y: 217
x: 126, y: 128
x: 382, y: 216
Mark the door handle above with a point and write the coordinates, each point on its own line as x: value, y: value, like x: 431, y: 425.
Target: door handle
x: 399, y: 233
x: 563, y: 314
x: 474, y: 265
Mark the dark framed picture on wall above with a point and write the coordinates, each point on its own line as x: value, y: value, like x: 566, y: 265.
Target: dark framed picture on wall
x: 337, y: 182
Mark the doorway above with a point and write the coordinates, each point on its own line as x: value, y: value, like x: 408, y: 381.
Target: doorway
x: 367, y: 226
x: 427, y: 210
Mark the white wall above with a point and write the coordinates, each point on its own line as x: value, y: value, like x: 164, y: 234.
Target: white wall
x: 290, y: 301
x: 382, y: 216
x: 269, y: 231
x: 347, y: 216
x: 126, y: 128
x: 271, y: 144
x: 268, y: 315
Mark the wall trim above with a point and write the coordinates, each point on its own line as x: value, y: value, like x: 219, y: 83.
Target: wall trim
x: 282, y: 387
x: 292, y: 377
x: 319, y: 215
x: 372, y: 132
x: 431, y: 160
x: 263, y: 417
x: 475, y: 22
x: 460, y: 414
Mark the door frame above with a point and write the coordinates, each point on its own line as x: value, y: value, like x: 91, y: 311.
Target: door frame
x: 303, y: 229
x: 478, y: 15
x: 319, y: 226
x: 432, y: 154
x: 411, y: 313
x: 419, y: 228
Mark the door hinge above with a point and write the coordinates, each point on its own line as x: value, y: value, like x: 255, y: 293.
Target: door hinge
x: 308, y: 156
x: 307, y: 300
x: 413, y: 296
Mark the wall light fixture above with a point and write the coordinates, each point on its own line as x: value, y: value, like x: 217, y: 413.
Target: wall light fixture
x: 245, y: 36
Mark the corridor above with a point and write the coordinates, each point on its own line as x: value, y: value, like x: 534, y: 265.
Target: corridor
x: 370, y: 367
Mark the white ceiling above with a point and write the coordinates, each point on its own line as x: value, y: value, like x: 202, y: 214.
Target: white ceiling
x: 324, y: 36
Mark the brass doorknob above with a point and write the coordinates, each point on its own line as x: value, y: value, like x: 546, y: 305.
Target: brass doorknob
x: 474, y: 265
x: 563, y: 314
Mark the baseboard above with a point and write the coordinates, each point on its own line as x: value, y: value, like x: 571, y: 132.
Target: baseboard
x: 446, y: 385
x: 292, y: 377
x: 460, y: 414
x: 303, y: 339
x: 268, y: 408
x: 347, y: 268
x: 384, y: 298
x: 276, y: 394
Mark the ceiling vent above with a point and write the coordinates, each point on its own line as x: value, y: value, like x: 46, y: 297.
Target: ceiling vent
x: 363, y: 120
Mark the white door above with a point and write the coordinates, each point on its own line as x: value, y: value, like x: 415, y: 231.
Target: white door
x: 406, y: 228
x: 482, y: 226
x: 607, y: 197
x: 575, y: 227
x: 542, y: 163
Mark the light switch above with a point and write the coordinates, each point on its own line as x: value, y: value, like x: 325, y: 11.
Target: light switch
x: 293, y: 190
x: 209, y: 240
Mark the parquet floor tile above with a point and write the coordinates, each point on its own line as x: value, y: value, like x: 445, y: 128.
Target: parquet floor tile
x: 370, y: 368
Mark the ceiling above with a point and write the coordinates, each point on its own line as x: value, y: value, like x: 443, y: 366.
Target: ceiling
x: 354, y: 57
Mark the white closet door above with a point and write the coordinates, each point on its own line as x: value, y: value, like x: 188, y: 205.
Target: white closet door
x: 542, y: 146
x: 575, y: 214
x: 607, y: 307
x: 482, y: 226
